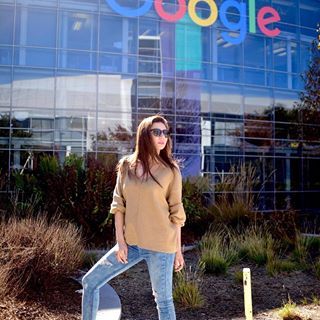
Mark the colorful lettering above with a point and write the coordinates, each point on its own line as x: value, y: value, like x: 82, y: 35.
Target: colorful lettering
x: 265, y: 16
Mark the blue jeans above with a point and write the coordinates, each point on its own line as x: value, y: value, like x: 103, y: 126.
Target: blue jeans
x: 160, y: 266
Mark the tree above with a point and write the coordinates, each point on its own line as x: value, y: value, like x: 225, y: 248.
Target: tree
x: 309, y: 104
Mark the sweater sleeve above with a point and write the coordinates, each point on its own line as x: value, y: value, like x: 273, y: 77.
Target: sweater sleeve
x: 177, y: 214
x: 118, y: 202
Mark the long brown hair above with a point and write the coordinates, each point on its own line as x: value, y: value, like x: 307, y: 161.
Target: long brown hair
x: 145, y: 151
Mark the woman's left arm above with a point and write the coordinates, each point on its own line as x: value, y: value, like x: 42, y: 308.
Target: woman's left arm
x: 179, y: 260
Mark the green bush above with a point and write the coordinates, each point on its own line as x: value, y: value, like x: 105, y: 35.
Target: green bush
x: 218, y: 252
x: 195, y: 204
x: 35, y: 254
x: 317, y: 268
x: 81, y: 192
x: 254, y: 244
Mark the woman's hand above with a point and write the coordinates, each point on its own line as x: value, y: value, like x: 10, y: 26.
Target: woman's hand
x: 178, y: 261
x: 122, y: 253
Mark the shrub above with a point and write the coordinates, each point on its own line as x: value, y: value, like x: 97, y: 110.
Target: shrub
x: 317, y: 268
x: 289, y: 311
x: 276, y: 265
x: 300, y: 252
x: 218, y: 252
x: 254, y: 244
x: 235, y: 200
x: 35, y: 253
x: 186, y: 289
x: 81, y: 194
x: 238, y: 276
x: 194, y: 202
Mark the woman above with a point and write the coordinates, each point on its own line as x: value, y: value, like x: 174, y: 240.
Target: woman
x: 148, y: 218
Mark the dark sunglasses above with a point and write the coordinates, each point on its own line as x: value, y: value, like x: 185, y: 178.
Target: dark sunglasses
x: 159, y: 132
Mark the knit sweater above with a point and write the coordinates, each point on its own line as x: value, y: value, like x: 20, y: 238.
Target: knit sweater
x: 151, y: 212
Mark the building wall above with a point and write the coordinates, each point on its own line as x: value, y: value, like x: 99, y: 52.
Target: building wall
x: 75, y: 76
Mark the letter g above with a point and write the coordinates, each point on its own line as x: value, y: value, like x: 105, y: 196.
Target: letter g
x: 128, y: 12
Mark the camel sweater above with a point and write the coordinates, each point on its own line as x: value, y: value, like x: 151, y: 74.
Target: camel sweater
x: 150, y: 211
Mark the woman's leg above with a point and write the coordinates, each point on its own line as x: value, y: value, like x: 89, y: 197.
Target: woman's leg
x: 160, y: 267
x: 104, y: 270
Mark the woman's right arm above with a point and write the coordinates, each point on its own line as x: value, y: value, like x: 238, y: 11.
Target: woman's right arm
x: 122, y: 253
x: 118, y: 208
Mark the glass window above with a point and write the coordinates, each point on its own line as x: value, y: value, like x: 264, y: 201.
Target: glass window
x: 75, y: 120
x: 188, y: 95
x: 229, y: 74
x: 76, y: 90
x: 287, y: 10
x: 309, y: 13
x: 229, y: 53
x: 122, y: 39
x: 35, y: 27
x: 78, y: 31
x: 257, y: 104
x: 6, y: 24
x: 304, y: 56
x: 295, y: 57
x: 254, y: 76
x: 254, y: 48
x: 35, y: 57
x: 6, y: 55
x: 33, y: 88
x: 77, y: 60
x: 280, y: 54
x: 46, y: 3
x: 87, y: 5
x: 149, y: 89
x: 156, y: 38
x: 117, y: 93
x: 5, y: 86
x: 284, y: 102
x: 226, y: 99
x: 188, y: 46
x: 115, y: 63
x: 281, y: 80
x: 167, y: 96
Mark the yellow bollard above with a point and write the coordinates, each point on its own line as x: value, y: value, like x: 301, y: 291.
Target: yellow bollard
x: 247, y: 294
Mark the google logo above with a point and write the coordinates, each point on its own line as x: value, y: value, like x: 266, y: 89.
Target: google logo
x: 265, y: 16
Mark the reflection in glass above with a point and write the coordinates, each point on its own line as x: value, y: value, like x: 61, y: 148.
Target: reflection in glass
x: 35, y: 57
x: 6, y: 25
x: 75, y: 90
x: 78, y: 30
x: 35, y: 27
x: 5, y: 86
x: 77, y: 60
x: 122, y: 39
x: 33, y: 88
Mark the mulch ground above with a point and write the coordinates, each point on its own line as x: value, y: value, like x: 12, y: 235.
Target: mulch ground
x: 223, y: 296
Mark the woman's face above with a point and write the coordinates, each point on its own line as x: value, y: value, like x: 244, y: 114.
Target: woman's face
x: 159, y: 135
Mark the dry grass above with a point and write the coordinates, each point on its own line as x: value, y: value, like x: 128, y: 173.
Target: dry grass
x: 186, y: 289
x: 35, y: 253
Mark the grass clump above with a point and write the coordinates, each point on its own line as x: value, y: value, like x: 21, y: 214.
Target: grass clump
x: 186, y: 290
x: 289, y: 311
x: 238, y: 276
x: 35, y: 254
x: 300, y: 252
x: 218, y: 252
x: 255, y: 244
x: 317, y: 268
x: 276, y: 265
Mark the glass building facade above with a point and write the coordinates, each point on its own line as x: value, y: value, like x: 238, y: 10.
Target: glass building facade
x: 76, y: 76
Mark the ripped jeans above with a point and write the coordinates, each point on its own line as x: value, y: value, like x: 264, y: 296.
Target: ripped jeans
x: 160, y: 266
